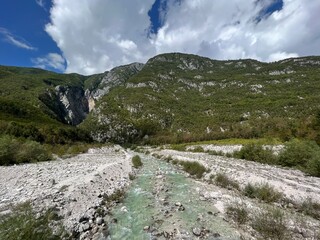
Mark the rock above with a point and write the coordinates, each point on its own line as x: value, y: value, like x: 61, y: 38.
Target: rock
x: 124, y: 209
x: 146, y: 228
x: 196, y: 231
x: 99, y: 220
x: 181, y: 208
x: 84, y: 227
x: 178, y: 204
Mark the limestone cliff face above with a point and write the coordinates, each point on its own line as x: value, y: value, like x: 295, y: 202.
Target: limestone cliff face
x: 67, y: 104
x: 115, y: 77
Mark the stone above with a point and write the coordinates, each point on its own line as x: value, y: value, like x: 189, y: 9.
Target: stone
x: 196, y: 231
x: 84, y: 227
x: 99, y: 220
x: 146, y: 228
x: 178, y: 204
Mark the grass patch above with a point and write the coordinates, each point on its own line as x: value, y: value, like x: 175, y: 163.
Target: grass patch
x: 263, y: 192
x: 238, y: 213
x: 222, y: 180
x: 308, y: 207
x: 136, y: 161
x: 193, y: 168
x: 116, y: 196
x: 271, y: 224
x: 23, y: 223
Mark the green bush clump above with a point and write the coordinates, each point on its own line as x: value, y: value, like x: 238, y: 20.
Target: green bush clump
x: 297, y: 153
x: 271, y: 224
x: 238, y: 213
x: 263, y: 192
x: 224, y: 181
x: 13, y: 151
x: 193, y: 168
x: 256, y: 153
x: 311, y: 208
x: 23, y: 223
x: 136, y: 161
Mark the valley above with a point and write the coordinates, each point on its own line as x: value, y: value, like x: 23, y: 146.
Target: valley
x: 99, y: 195
x: 181, y: 147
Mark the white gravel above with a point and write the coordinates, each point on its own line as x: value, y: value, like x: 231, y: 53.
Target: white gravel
x: 73, y: 185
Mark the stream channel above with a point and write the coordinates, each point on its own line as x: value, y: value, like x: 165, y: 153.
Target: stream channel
x: 162, y: 203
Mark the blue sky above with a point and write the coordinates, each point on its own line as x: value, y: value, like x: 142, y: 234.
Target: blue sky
x: 93, y: 36
x: 23, y: 22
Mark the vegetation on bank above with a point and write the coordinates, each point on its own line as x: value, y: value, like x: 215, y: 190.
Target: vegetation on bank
x: 15, y: 151
x: 24, y: 223
x: 136, y: 161
x: 300, y: 154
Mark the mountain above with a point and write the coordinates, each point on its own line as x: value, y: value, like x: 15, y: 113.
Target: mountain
x: 172, y: 98
x: 180, y: 97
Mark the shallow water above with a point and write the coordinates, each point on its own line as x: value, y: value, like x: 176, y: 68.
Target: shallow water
x: 153, y: 201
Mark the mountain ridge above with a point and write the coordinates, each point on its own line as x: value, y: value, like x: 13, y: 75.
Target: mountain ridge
x: 166, y: 97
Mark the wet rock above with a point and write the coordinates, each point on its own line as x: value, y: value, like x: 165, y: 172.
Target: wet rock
x: 196, y: 231
x: 181, y: 208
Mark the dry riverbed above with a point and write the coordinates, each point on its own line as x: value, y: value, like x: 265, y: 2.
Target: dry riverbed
x: 296, y: 188
x: 74, y: 186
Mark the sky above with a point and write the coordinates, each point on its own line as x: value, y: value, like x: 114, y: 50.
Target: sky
x: 93, y: 36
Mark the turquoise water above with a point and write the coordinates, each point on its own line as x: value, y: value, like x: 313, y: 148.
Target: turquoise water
x: 152, y: 201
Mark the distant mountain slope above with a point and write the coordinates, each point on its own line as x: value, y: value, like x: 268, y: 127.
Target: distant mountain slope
x: 172, y: 98
x: 181, y: 97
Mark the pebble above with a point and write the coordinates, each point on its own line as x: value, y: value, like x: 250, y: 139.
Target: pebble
x: 196, y: 231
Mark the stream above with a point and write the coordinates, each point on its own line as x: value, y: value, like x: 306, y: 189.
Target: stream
x: 162, y: 203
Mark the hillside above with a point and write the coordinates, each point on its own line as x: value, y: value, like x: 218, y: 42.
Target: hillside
x: 172, y: 98
x: 179, y: 97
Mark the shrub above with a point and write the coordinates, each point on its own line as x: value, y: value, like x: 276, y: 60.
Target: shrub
x: 297, y: 153
x: 23, y: 223
x: 271, y: 224
x: 256, y: 153
x: 198, y: 149
x: 193, y: 168
x: 238, y: 213
x: 224, y: 181
x: 310, y: 208
x: 13, y: 151
x: 263, y: 192
x: 136, y: 161
x: 313, y: 165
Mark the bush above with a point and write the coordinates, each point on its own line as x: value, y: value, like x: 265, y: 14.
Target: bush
x: 224, y: 181
x: 298, y: 153
x: 313, y: 165
x: 256, y: 153
x: 271, y: 224
x: 13, y: 151
x: 238, y: 213
x: 263, y: 192
x: 198, y: 149
x: 136, y: 161
x: 310, y: 208
x: 24, y: 223
x: 193, y: 168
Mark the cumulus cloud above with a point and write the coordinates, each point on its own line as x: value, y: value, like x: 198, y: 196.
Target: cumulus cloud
x: 51, y: 60
x: 95, y: 36
x: 15, y: 40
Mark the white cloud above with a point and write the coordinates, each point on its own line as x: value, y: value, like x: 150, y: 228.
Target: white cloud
x: 102, y: 34
x: 15, y: 40
x: 52, y: 60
